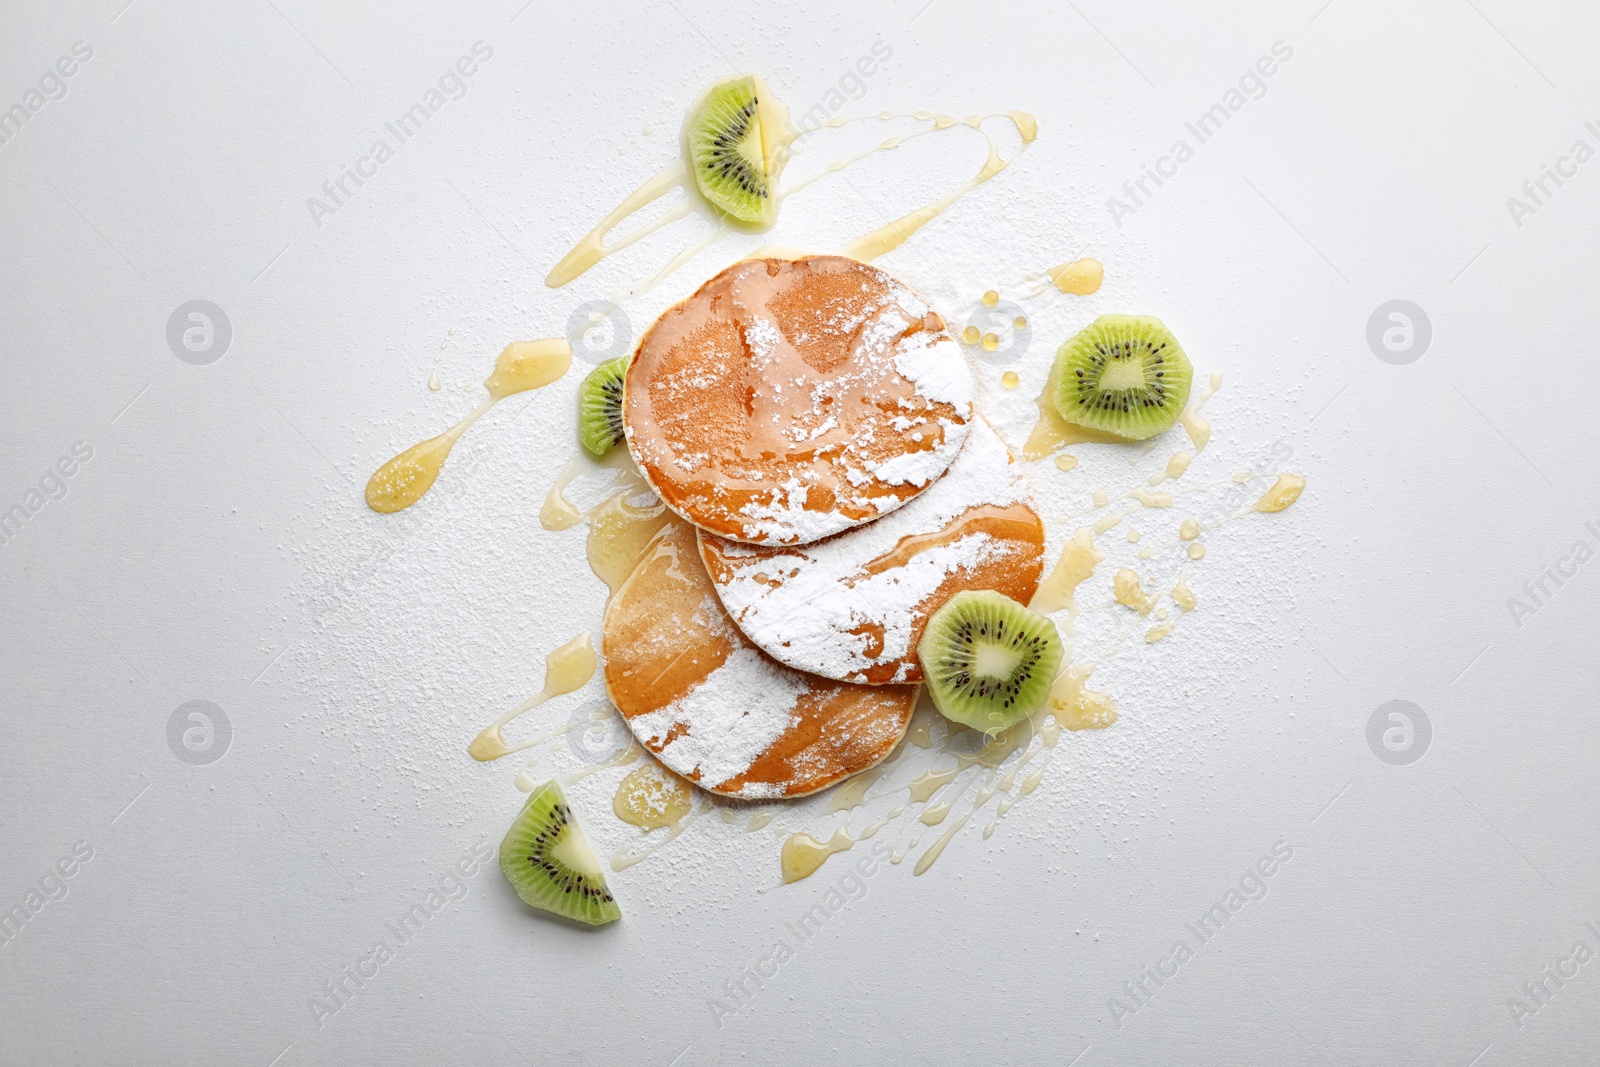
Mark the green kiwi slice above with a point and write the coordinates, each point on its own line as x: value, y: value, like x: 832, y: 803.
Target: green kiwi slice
x: 600, y: 407
x: 728, y: 152
x: 1123, y: 374
x: 549, y: 863
x: 988, y: 660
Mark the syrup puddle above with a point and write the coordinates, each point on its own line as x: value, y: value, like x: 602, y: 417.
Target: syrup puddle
x: 618, y: 533
x: 557, y: 513
x: 652, y: 798
x: 1129, y: 591
x: 1058, y: 590
x: 619, y: 483
x: 1284, y: 491
x: 1081, y: 277
x: 803, y: 854
x: 523, y: 365
x: 1078, y: 707
x: 1051, y: 432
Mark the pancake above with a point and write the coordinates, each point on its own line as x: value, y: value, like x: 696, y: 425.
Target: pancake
x: 788, y: 400
x: 714, y: 708
x: 853, y: 607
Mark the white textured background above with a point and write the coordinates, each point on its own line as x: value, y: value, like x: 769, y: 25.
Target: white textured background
x: 215, y: 546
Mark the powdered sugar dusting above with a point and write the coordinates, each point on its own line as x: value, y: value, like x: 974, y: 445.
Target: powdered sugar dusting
x: 713, y: 707
x: 819, y: 608
x: 940, y: 372
x: 716, y: 730
x: 786, y: 518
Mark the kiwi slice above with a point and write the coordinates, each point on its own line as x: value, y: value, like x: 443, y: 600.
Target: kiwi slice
x: 988, y: 660
x: 600, y: 407
x: 729, y: 153
x: 549, y: 863
x: 1123, y: 374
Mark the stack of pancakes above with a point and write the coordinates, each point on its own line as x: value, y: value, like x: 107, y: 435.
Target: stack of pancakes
x: 811, y: 424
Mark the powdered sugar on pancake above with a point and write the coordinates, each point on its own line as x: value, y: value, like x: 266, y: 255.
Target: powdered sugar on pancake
x: 940, y: 372
x: 851, y: 607
x: 716, y: 730
x: 787, y: 401
x: 717, y: 710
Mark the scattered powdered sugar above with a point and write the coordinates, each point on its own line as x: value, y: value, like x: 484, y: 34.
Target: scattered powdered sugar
x: 876, y: 335
x: 787, y: 519
x: 907, y: 299
x: 728, y: 720
x: 763, y: 790
x: 920, y: 468
x: 763, y: 337
x: 939, y: 371
x: 815, y: 607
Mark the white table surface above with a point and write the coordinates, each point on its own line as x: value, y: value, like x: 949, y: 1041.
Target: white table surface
x: 215, y: 546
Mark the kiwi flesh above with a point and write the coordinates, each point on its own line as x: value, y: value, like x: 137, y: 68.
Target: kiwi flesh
x: 549, y: 863
x: 1125, y: 375
x: 987, y: 660
x: 728, y: 152
x: 600, y: 407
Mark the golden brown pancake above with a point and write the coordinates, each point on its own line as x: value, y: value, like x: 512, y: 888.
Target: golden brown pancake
x: 853, y: 607
x: 718, y: 711
x: 788, y: 400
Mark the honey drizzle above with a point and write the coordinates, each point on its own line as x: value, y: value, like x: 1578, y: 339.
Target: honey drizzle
x: 939, y: 791
x: 565, y: 669
x: 629, y: 753
x: 779, y: 146
x: 1198, y: 429
x: 1129, y: 591
x: 803, y: 854
x: 1077, y: 706
x: 521, y: 366
x: 887, y: 238
x: 622, y: 859
x: 618, y: 534
x: 592, y: 248
x: 557, y: 512
x: 1077, y: 562
x: 939, y: 122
